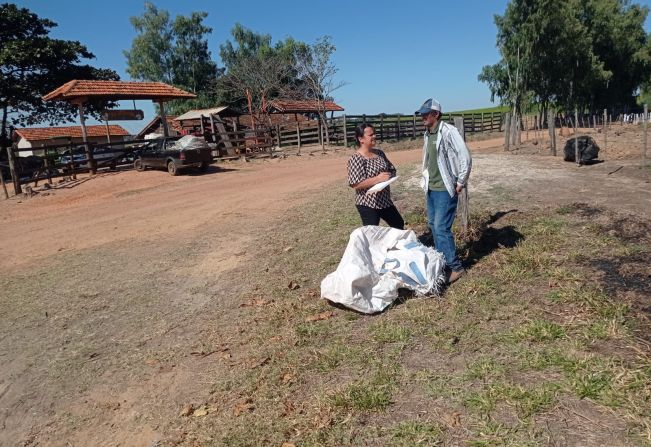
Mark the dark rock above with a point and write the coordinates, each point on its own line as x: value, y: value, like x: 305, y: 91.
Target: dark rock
x: 588, y: 150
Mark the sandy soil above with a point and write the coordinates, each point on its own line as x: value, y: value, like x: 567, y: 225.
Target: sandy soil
x: 131, y: 222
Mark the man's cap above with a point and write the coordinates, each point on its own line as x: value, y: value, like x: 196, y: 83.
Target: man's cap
x: 429, y: 106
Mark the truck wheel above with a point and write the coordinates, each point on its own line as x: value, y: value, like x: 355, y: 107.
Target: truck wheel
x: 172, y: 169
x: 204, y: 166
x: 138, y: 165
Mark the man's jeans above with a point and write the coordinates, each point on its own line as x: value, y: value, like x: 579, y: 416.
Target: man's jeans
x: 441, y: 211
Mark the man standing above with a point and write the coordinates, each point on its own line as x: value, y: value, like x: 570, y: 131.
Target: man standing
x: 446, y: 168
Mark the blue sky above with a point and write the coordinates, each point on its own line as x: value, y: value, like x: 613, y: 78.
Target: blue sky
x: 392, y: 55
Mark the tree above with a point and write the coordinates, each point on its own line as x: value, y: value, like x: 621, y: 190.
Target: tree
x: 257, y: 72
x: 584, y: 54
x: 33, y: 64
x: 175, y: 52
x: 620, y: 42
x: 317, y: 71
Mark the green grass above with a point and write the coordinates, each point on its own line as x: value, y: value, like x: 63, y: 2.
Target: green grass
x: 483, y: 368
x: 414, y: 433
x: 367, y: 395
x: 540, y: 331
x: 500, y: 109
x: 385, y: 332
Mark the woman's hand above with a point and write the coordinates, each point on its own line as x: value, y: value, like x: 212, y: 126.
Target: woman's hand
x: 382, y: 177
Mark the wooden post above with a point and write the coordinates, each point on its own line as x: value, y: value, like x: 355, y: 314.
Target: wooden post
x: 278, y: 135
x: 507, y: 132
x: 576, y: 138
x: 12, y: 168
x: 605, y: 130
x: 72, y: 164
x: 163, y: 119
x: 326, y: 127
x: 463, y: 208
x: 4, y: 186
x: 646, y: 114
x: 108, y: 132
x: 459, y: 123
x: 382, y: 127
x: 514, y: 128
x: 320, y: 133
x: 212, y: 128
x: 398, y: 128
x: 551, y: 125
x: 413, y: 129
x: 84, y: 134
x: 518, y: 131
x: 203, y: 128
x: 298, y: 136
x: 345, y: 132
x: 47, y: 169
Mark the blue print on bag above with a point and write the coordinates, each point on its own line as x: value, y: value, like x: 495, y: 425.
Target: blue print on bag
x: 419, y: 275
x: 385, y: 268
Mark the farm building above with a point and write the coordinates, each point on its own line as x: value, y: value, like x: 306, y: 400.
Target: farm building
x: 35, y: 137
x: 307, y: 107
x: 279, y: 112
x: 198, y: 120
x: 155, y: 126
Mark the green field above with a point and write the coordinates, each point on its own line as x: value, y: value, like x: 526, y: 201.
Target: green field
x: 484, y: 110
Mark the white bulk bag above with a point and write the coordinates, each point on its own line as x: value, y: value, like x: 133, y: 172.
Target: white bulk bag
x: 377, y: 262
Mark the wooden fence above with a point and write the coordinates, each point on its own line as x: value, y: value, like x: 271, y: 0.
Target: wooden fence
x: 341, y: 130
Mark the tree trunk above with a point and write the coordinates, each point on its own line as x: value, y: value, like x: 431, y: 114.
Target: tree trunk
x: 507, y: 131
x: 3, y: 144
x: 3, y: 129
x: 326, y: 131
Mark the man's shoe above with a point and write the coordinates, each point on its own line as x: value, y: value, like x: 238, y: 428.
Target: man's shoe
x: 455, y: 275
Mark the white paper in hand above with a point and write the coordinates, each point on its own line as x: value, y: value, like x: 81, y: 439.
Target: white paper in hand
x: 380, y: 186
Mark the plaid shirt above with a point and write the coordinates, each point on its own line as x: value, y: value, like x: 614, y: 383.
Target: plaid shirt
x: 360, y: 169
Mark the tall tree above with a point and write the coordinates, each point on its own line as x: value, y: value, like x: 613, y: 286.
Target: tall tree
x: 193, y: 67
x: 620, y: 42
x: 151, y: 57
x: 571, y: 54
x: 33, y: 64
x: 175, y: 52
x: 317, y: 70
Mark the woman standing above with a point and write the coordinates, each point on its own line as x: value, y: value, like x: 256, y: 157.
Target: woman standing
x: 367, y: 167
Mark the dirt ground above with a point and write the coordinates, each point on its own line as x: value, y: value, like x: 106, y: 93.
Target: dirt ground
x: 110, y: 284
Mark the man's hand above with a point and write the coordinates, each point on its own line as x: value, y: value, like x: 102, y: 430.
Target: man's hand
x: 459, y: 188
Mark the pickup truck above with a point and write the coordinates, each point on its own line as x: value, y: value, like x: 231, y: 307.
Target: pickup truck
x: 174, y: 154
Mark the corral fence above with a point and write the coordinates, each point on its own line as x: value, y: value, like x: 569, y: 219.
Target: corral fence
x: 46, y: 162
x: 25, y: 165
x: 388, y: 127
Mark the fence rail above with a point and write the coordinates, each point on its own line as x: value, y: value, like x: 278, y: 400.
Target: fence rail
x: 395, y: 127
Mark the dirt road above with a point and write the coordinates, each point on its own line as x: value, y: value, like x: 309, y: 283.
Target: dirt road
x: 126, y: 205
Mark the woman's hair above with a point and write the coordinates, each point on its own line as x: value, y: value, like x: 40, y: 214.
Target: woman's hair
x: 359, y: 132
